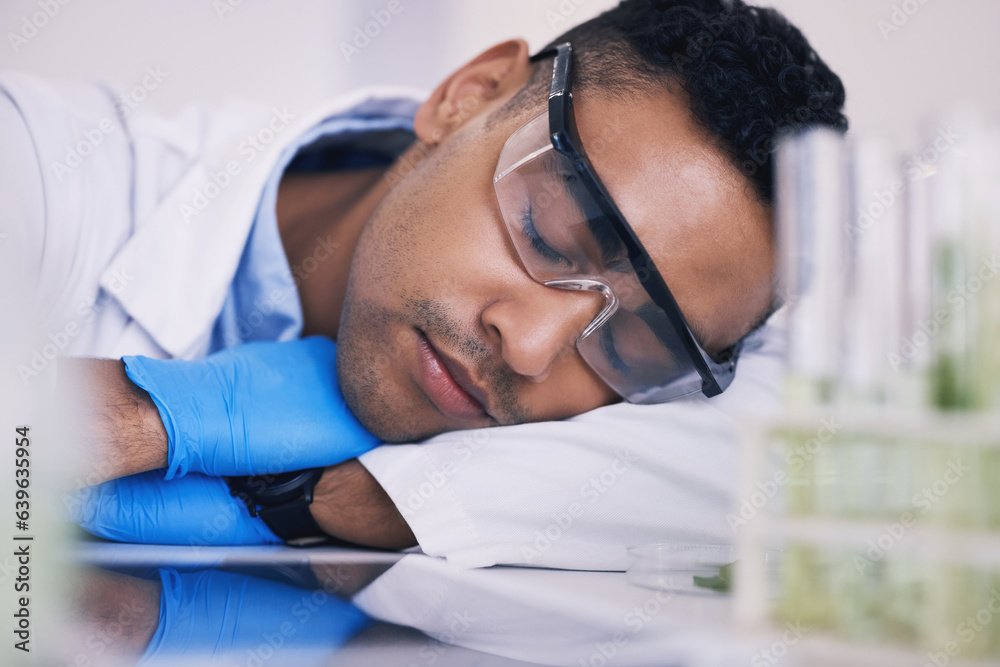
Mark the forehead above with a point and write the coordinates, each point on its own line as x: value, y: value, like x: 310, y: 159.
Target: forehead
x: 695, y: 213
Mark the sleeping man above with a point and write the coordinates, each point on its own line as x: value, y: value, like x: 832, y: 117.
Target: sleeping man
x: 557, y: 267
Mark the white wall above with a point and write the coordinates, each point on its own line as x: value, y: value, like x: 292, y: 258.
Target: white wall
x: 290, y: 52
x: 947, y: 51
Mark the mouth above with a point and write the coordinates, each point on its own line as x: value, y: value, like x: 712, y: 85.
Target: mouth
x: 449, y: 385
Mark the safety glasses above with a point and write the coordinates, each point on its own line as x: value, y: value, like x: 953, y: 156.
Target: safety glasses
x: 569, y: 234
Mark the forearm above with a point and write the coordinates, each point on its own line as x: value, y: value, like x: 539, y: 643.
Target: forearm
x: 120, y: 610
x: 351, y: 505
x: 124, y: 435
x: 118, y: 422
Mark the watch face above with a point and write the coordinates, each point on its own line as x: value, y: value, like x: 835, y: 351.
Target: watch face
x: 274, y: 489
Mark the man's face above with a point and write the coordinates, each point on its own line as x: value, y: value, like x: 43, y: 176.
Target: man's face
x: 442, y: 327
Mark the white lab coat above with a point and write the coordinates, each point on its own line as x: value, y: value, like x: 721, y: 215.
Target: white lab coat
x: 105, y: 243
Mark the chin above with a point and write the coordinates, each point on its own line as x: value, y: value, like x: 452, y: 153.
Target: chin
x: 377, y: 399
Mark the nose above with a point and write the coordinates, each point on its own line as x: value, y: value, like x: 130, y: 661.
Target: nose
x: 541, y: 323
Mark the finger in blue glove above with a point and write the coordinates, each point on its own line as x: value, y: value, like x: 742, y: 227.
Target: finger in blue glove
x: 254, y: 409
x: 216, y: 614
x: 146, y: 508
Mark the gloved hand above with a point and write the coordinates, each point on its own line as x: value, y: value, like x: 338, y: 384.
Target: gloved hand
x: 217, y: 615
x: 194, y: 510
x: 258, y: 408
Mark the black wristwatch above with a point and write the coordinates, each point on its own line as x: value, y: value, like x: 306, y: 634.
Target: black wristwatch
x: 282, y: 501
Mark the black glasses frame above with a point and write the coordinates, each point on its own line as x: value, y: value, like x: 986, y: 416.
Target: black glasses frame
x: 716, y: 374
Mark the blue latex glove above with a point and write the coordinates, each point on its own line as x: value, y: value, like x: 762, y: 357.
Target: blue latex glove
x: 223, y: 614
x: 193, y: 510
x: 255, y: 409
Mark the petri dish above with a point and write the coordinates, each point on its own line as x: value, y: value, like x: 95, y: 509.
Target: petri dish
x: 697, y: 569
x: 700, y: 569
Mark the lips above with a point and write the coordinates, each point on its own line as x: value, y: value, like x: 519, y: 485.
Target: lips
x: 448, y: 384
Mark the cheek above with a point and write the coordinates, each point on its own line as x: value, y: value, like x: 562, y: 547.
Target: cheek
x: 572, y: 389
x: 438, y: 237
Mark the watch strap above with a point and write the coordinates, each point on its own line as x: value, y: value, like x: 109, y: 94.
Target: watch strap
x: 292, y: 520
x: 283, y: 505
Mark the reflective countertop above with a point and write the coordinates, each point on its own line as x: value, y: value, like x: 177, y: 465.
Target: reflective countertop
x: 257, y: 606
x: 335, y: 606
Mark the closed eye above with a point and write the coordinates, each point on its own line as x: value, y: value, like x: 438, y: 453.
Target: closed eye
x: 608, y: 343
x: 620, y: 265
x: 539, y: 244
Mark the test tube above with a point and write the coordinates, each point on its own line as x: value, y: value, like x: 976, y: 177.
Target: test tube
x: 874, y: 261
x: 810, y: 218
x: 964, y: 322
x: 872, y: 316
x: 914, y: 352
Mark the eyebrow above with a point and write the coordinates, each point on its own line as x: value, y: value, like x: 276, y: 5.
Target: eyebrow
x: 656, y: 319
x: 608, y: 241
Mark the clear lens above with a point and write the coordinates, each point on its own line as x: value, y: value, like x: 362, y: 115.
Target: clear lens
x: 547, y: 211
x: 641, y: 357
x: 564, y: 241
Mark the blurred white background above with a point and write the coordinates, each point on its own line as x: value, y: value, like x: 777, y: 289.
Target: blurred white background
x: 292, y: 52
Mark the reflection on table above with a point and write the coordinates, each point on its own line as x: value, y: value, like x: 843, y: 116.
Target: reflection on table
x: 331, y: 606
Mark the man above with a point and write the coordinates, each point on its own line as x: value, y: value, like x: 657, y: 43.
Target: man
x: 460, y: 276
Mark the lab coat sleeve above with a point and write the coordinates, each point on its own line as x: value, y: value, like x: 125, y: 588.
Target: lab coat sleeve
x: 575, y: 494
x: 69, y: 193
x: 81, y: 173
x: 64, y: 152
x: 22, y: 201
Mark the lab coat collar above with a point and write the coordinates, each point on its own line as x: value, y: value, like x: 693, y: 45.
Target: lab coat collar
x: 173, y: 274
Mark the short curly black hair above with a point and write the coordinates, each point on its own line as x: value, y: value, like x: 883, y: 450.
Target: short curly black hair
x: 749, y: 74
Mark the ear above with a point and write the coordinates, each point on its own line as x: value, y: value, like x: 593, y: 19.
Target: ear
x: 493, y: 75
